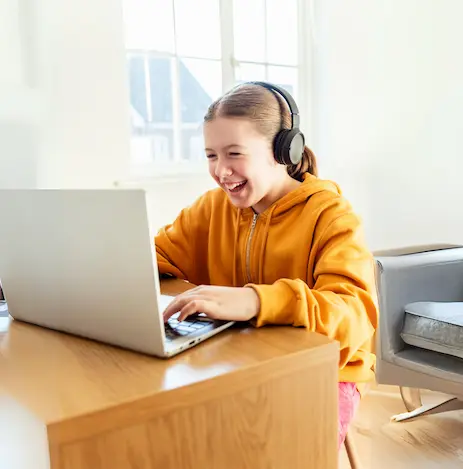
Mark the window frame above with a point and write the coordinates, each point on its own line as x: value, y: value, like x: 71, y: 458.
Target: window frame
x: 146, y: 173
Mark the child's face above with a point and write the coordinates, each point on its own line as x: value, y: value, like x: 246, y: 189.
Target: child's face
x: 241, y: 161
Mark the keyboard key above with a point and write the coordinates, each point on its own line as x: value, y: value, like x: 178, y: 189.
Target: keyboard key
x: 174, y: 328
x: 186, y: 329
x: 199, y: 325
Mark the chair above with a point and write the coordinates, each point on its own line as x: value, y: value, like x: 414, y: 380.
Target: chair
x: 411, y: 283
x: 3, y: 305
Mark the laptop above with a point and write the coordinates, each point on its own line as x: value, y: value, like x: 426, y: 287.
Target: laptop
x: 84, y: 262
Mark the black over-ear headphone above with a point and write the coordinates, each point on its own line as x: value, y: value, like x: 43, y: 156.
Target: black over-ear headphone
x: 288, y: 145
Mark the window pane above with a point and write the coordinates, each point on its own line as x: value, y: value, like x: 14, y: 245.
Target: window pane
x: 200, y: 84
x: 156, y: 147
x: 286, y: 77
x: 137, y: 87
x: 282, y: 33
x: 160, y: 85
x: 250, y: 72
x: 197, y: 26
x: 249, y: 30
x: 150, y: 80
x: 149, y: 25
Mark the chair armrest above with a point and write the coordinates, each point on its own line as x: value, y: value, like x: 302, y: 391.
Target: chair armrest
x: 423, y: 276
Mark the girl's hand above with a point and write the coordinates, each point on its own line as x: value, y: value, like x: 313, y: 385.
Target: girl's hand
x: 224, y: 303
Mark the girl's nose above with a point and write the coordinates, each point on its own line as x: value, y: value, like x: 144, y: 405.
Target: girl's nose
x: 222, y: 169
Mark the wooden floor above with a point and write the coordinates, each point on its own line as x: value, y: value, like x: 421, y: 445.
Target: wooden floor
x: 433, y: 442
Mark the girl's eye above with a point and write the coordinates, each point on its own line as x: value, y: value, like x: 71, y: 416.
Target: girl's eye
x: 235, y: 154
x: 211, y: 156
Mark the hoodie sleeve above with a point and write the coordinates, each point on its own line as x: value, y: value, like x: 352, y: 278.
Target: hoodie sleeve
x: 173, y: 246
x: 342, y: 303
x: 176, y: 244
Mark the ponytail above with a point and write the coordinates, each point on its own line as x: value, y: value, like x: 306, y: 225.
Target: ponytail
x: 308, y: 164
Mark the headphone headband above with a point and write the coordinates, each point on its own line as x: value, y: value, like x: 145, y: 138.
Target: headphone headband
x: 288, y: 144
x: 293, y: 109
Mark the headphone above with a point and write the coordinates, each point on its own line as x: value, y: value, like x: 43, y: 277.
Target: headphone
x: 288, y: 145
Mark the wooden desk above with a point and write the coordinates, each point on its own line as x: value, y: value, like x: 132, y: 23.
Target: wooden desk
x: 247, y: 398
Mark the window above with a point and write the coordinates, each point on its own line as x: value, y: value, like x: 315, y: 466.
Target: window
x: 183, y: 54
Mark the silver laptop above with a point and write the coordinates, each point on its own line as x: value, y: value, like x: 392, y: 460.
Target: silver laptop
x: 84, y: 262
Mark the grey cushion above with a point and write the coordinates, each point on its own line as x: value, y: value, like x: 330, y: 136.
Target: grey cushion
x: 3, y: 309
x: 435, y: 326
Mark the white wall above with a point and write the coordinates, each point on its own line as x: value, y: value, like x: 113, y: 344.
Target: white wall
x: 18, y: 105
x: 63, y: 107
x: 389, y: 114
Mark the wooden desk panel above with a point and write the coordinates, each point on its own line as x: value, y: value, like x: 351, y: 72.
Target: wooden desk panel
x: 247, y: 398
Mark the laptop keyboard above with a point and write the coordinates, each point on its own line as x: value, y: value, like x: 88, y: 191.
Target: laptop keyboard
x: 174, y: 329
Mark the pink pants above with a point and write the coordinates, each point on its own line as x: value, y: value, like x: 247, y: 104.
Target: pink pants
x: 349, y: 399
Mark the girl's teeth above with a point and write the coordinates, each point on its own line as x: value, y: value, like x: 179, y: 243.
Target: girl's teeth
x: 234, y: 186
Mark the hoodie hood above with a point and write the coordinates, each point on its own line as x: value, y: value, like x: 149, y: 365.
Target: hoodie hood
x: 310, y: 186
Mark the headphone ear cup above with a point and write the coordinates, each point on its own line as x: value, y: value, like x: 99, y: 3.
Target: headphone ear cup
x: 288, y: 146
x: 278, y: 146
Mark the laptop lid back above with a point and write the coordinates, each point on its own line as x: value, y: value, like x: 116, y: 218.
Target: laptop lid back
x: 82, y: 261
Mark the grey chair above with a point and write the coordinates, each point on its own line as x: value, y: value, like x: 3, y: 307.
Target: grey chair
x: 3, y: 305
x: 420, y: 336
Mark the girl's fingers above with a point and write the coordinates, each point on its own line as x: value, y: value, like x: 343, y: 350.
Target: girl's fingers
x: 200, y: 293
x: 191, y: 307
x: 175, y: 306
x: 178, y: 304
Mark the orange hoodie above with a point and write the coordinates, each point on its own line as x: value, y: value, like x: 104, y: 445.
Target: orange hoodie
x: 304, y: 256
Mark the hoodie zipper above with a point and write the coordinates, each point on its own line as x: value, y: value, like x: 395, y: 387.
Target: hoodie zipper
x: 248, y: 247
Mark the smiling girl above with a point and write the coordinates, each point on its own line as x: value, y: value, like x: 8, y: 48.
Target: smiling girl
x: 274, y: 244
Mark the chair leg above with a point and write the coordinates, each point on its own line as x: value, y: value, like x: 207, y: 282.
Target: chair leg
x: 352, y: 454
x: 446, y: 406
x: 411, y: 398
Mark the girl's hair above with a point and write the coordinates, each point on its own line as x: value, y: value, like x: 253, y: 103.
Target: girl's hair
x: 269, y: 112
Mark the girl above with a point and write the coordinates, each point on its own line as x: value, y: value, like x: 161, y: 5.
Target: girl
x: 274, y: 244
